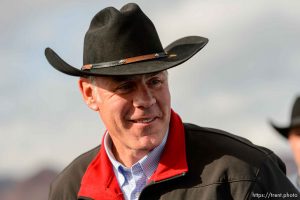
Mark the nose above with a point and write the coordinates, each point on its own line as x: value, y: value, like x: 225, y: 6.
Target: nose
x: 143, y: 98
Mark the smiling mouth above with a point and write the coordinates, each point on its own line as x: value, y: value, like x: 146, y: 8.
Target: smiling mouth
x: 144, y: 121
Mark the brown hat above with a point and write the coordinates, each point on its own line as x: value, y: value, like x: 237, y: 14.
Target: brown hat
x: 125, y: 42
x: 295, y: 120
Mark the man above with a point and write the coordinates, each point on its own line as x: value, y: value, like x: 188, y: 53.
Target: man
x: 292, y: 133
x: 147, y: 152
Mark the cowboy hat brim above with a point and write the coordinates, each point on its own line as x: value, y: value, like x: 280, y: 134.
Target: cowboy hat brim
x: 181, y: 50
x: 283, y: 131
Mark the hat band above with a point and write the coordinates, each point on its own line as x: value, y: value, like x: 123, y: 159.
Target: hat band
x: 125, y: 61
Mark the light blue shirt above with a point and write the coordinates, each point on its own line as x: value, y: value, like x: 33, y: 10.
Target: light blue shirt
x: 133, y: 180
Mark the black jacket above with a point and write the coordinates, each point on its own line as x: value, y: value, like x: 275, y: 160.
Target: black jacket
x: 221, y: 166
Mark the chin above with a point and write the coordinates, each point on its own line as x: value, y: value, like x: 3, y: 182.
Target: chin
x: 151, y: 140
x: 147, y: 145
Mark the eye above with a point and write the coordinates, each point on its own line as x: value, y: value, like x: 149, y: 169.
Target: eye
x: 125, y: 88
x: 155, y: 82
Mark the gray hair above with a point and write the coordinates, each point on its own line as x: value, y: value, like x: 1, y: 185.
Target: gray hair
x: 92, y: 79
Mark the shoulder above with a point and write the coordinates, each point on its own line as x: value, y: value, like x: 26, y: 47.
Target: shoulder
x: 226, y: 155
x: 67, y: 183
x: 223, y: 141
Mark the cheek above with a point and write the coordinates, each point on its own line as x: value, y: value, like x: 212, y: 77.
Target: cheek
x: 114, y: 110
x: 295, y: 145
x: 165, y: 99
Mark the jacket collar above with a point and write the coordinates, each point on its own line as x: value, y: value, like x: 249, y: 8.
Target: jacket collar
x: 168, y: 166
x: 99, y: 181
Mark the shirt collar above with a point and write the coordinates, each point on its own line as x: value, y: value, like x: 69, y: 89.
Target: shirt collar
x: 148, y: 163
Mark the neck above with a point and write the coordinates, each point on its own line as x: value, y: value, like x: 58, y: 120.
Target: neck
x: 128, y: 157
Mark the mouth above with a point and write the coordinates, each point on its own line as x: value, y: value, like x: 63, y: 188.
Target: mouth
x: 144, y: 120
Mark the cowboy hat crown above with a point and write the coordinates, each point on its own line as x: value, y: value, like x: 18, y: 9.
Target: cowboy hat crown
x: 125, y: 42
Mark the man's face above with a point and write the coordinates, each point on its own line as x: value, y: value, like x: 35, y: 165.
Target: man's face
x: 294, y: 140
x: 135, y: 109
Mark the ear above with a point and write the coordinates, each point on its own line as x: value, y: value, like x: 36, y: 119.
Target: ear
x: 88, y: 93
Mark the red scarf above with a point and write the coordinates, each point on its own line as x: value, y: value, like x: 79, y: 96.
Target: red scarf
x: 99, y: 181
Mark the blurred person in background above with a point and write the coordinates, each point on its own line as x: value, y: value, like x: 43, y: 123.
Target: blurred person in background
x: 147, y: 152
x: 292, y: 134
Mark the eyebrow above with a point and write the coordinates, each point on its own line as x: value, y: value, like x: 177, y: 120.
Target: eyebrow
x: 132, y: 77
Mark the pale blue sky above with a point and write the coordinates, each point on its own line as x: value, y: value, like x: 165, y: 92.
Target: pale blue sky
x: 248, y: 73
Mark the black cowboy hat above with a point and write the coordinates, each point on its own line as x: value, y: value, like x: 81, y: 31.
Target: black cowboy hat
x: 125, y: 42
x: 295, y: 120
